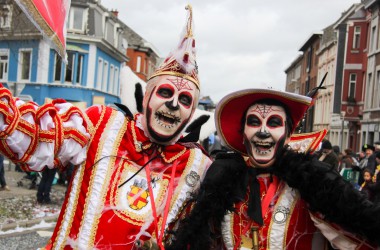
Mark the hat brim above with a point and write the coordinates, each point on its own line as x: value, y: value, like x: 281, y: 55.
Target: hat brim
x: 230, y: 110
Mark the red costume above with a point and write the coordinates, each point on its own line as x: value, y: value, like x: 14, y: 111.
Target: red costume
x: 100, y: 214
x: 134, y: 175
x: 264, y: 194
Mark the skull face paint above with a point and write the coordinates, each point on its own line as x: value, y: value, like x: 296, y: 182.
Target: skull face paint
x: 264, y: 133
x: 169, y: 107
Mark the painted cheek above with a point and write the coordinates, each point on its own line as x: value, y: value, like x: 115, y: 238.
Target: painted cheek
x: 250, y: 131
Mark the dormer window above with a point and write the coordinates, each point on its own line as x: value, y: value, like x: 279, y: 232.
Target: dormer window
x: 5, y: 16
x: 76, y: 21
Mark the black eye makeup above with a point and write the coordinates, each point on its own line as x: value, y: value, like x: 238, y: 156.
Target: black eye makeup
x: 253, y: 121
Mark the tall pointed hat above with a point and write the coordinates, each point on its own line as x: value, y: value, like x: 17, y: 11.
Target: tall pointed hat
x: 182, y: 62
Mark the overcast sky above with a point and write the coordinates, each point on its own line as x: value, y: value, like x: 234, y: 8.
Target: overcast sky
x: 240, y: 43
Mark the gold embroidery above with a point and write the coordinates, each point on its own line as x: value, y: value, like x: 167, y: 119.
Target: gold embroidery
x: 138, y: 144
x: 70, y: 213
x: 90, y: 191
x: 110, y: 170
x: 295, y: 199
x: 118, y: 199
x: 37, y: 17
x: 175, y: 157
x: 182, y: 181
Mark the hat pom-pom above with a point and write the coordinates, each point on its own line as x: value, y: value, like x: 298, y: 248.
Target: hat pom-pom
x: 185, y: 54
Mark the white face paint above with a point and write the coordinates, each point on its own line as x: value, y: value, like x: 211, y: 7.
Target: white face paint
x: 264, y: 133
x: 169, y: 107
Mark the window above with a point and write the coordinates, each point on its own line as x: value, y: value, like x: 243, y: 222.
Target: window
x: 112, y: 78
x: 57, y: 68
x: 69, y: 67
x: 79, y: 68
x: 356, y: 42
x: 116, y: 78
x: 76, y: 20
x: 105, y: 76
x: 309, y: 59
x: 373, y: 39
x: 138, y: 64
x: 368, y: 98
x: 376, y: 92
x: 307, y: 85
x: 5, y: 16
x: 25, y: 61
x: 100, y: 74
x: 4, y: 65
x: 352, y: 86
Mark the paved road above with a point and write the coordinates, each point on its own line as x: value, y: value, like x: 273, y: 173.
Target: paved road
x: 26, y: 240
x: 30, y: 238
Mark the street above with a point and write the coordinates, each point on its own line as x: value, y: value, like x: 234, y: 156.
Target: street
x: 24, y: 224
x: 26, y: 240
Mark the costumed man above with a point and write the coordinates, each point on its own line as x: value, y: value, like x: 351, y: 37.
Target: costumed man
x: 265, y: 195
x: 135, y: 173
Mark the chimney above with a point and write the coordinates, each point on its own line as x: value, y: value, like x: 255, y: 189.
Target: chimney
x: 115, y: 12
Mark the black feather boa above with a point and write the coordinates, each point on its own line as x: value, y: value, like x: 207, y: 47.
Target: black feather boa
x: 328, y: 193
x: 224, y: 184
x: 319, y: 185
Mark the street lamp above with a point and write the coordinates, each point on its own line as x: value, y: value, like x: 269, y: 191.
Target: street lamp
x: 342, y: 113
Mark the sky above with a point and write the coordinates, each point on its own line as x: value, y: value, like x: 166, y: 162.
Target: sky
x: 240, y: 43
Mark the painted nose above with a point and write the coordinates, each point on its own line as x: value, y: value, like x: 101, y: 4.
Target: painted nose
x: 171, y: 105
x: 262, y: 133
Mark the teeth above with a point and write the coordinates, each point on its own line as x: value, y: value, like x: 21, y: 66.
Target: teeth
x: 268, y: 147
x: 167, y: 115
x: 163, y: 124
x: 263, y: 152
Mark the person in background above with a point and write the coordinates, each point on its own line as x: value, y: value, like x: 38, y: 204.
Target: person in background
x: 336, y: 149
x: 377, y: 146
x: 349, y: 168
x: 377, y: 171
x: 348, y: 159
x: 375, y: 188
x: 366, y: 188
x: 44, y: 187
x: 368, y: 161
x: 3, y: 183
x: 263, y: 195
x: 328, y: 156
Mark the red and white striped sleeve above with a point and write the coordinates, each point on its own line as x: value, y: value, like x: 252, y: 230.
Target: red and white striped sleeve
x: 36, y: 137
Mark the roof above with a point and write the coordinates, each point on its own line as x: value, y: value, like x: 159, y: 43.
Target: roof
x: 310, y: 40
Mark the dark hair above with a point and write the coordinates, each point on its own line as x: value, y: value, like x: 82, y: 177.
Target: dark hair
x: 289, y: 121
x: 326, y: 144
x: 348, y: 151
x: 367, y: 170
x: 336, y: 149
x: 378, y: 155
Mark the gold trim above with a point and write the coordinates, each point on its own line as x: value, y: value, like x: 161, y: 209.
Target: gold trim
x: 110, y: 170
x: 189, y: 27
x: 92, y: 179
x: 177, y: 74
x: 182, y: 181
x: 71, y: 213
x: 42, y: 25
x: 173, y: 158
x: 129, y: 216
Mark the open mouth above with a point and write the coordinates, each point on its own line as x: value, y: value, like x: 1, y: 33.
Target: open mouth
x: 167, y: 120
x: 263, y: 147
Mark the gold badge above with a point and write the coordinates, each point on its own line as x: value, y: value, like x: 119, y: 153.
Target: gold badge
x: 138, y: 195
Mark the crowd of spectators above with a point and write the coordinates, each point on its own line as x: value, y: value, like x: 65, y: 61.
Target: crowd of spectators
x: 361, y: 169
